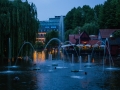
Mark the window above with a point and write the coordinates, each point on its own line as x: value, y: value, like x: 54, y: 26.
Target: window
x: 46, y: 26
x: 53, y: 26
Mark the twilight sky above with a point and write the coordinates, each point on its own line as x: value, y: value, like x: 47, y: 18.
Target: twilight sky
x: 49, y: 8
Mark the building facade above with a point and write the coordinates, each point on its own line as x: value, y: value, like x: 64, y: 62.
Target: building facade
x: 46, y: 26
x: 104, y: 37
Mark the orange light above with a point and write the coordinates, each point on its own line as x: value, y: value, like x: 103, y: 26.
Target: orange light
x: 93, y: 60
x: 84, y: 42
x: 35, y: 57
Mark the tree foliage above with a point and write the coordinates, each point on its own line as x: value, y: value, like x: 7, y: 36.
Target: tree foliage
x: 18, y: 21
x: 67, y: 33
x: 116, y: 34
x: 49, y: 35
x: 109, y: 15
x: 69, y: 19
x: 102, y: 16
x: 91, y: 28
x: 78, y: 17
x: 97, y: 9
x: 39, y: 45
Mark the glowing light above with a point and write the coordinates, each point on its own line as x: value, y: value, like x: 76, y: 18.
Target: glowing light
x: 84, y: 42
x: 41, y: 56
x: 35, y: 57
x: 93, y: 60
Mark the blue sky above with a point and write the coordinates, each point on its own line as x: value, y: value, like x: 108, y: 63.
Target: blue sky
x: 49, y: 8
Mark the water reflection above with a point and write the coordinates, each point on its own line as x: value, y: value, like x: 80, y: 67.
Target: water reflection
x: 39, y: 57
x: 35, y: 57
x: 59, y: 79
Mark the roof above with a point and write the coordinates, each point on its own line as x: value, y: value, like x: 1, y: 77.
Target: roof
x: 93, y: 37
x: 93, y: 42
x: 105, y: 33
x: 72, y: 39
x: 76, y: 36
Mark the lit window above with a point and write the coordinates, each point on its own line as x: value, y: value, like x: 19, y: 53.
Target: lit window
x: 53, y: 26
x: 46, y: 26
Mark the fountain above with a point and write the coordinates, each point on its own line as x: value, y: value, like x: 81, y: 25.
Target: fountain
x: 21, y: 49
x: 73, y: 70
x: 80, y: 59
x: 35, y: 61
x: 88, y: 59
x: 25, y: 58
x: 52, y: 64
x: 88, y: 64
x: 50, y: 58
x: 9, y: 59
x: 52, y: 40
x: 92, y: 79
x: 70, y: 44
x: 76, y: 68
x: 110, y: 57
x: 61, y: 29
x: 57, y: 78
x: 64, y: 46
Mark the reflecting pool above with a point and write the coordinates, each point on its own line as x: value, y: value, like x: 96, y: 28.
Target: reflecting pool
x: 90, y: 78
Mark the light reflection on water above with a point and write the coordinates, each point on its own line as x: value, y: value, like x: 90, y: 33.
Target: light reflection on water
x: 62, y: 78
x: 39, y: 57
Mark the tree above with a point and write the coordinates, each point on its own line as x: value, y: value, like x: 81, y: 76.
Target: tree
x: 87, y: 14
x: 116, y: 33
x: 39, y: 45
x: 18, y: 21
x: 97, y: 10
x: 91, y: 28
x: 77, y: 18
x: 49, y: 35
x: 67, y: 33
x: 109, y: 15
x: 68, y: 21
